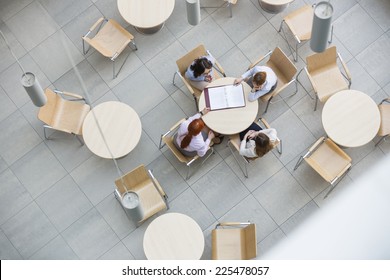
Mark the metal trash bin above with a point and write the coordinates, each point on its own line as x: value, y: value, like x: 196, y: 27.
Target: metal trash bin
x: 131, y: 204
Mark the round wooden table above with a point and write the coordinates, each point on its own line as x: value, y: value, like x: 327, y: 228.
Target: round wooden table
x: 274, y: 6
x: 351, y: 118
x: 234, y: 120
x: 147, y: 16
x: 173, y: 236
x: 120, y: 126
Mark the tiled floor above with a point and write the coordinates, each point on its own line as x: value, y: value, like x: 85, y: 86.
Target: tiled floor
x: 56, y: 197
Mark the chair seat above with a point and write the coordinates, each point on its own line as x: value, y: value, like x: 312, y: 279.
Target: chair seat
x: 168, y: 140
x: 228, y: 244
x: 329, y: 160
x: 300, y: 21
x: 384, y: 110
x: 150, y: 199
x: 111, y: 39
x: 326, y: 89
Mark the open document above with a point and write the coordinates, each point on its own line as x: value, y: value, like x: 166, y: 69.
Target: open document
x: 224, y: 97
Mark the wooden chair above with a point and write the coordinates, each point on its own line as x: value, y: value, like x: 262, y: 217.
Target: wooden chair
x: 110, y: 40
x: 284, y: 69
x: 64, y: 115
x: 151, y: 196
x: 168, y: 138
x: 299, y: 22
x: 185, y: 61
x: 328, y: 160
x: 235, y: 142
x: 235, y: 242
x: 384, y: 129
x: 325, y: 75
x: 228, y: 3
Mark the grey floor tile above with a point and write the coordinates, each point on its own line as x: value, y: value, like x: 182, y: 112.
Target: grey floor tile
x: 185, y: 100
x: 298, y: 218
x: 29, y: 230
x: 56, y: 203
x: 134, y: 241
x: 177, y: 22
x: 56, y: 249
x: 32, y: 25
x: 8, y: 251
x: 378, y: 10
x: 190, y: 204
x: 281, y: 196
x: 10, y: 8
x: 259, y: 170
x: 269, y: 242
x: 90, y: 236
x: 356, y: 29
x: 56, y: 55
x: 7, y: 107
x: 90, y: 81
x: 250, y: 210
x: 38, y: 163
x: 246, y: 20
x: 167, y: 113
x: 376, y: 60
x: 366, y: 164
x: 344, y: 184
x: 220, y: 190
x: 63, y: 11
x: 141, y: 91
x: 118, y: 252
x: 3, y: 165
x: 115, y: 216
x: 13, y: 195
x: 210, y: 34
x: 96, y: 178
x: 109, y: 9
x: 163, y: 67
x: 234, y: 62
x: 17, y: 139
x: 169, y: 179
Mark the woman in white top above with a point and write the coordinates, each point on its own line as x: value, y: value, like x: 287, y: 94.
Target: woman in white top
x: 200, y: 72
x: 262, y: 79
x: 256, y: 142
x: 191, y: 138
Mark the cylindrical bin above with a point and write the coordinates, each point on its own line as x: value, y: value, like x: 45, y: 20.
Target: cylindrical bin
x: 131, y: 204
x: 193, y: 11
x: 322, y: 22
x: 34, y: 89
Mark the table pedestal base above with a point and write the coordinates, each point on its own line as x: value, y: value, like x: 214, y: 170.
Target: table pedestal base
x: 150, y: 30
x: 272, y: 8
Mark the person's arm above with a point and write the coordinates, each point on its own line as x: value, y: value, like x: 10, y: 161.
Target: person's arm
x: 252, y: 96
x: 247, y: 152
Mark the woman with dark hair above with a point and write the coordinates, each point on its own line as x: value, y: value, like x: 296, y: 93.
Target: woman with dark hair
x: 200, y: 72
x: 256, y: 142
x: 193, y: 137
x: 262, y: 79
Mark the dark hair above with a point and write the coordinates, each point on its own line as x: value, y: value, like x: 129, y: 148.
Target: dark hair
x: 200, y: 65
x: 263, y: 144
x: 194, y: 128
x: 259, y: 78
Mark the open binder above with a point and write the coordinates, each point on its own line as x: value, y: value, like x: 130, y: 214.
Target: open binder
x: 224, y: 97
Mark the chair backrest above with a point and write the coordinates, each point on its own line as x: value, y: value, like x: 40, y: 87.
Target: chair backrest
x: 62, y: 114
x: 300, y: 22
x: 384, y: 128
x: 186, y: 60
x: 234, y: 243
x: 320, y: 60
x: 329, y: 160
x: 151, y: 195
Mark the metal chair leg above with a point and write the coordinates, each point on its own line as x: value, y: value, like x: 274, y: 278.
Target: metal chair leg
x: 243, y: 170
x: 298, y: 162
x: 380, y: 140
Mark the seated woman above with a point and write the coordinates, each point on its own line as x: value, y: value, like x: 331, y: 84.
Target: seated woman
x: 193, y: 137
x: 256, y: 142
x: 200, y: 72
x: 262, y: 79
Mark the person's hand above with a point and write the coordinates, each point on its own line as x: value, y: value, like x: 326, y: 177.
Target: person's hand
x: 249, y: 132
x: 208, y: 78
x: 205, y: 111
x: 211, y: 135
x: 238, y: 81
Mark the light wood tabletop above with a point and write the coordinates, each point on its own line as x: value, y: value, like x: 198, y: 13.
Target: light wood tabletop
x: 147, y: 16
x: 274, y: 6
x: 234, y: 120
x: 351, y: 118
x: 173, y: 236
x: 120, y: 126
